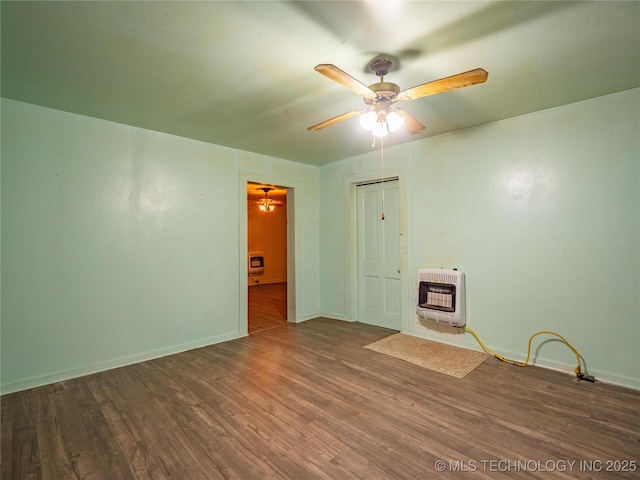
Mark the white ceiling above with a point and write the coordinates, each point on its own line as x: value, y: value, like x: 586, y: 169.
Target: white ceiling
x: 240, y: 74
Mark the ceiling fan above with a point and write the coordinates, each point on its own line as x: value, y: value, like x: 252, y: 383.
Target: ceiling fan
x: 380, y: 115
x: 266, y: 203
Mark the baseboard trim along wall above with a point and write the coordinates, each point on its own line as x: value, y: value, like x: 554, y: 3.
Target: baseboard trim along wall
x: 115, y: 363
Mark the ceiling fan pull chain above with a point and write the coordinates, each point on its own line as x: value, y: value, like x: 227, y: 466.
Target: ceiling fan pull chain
x: 382, y: 172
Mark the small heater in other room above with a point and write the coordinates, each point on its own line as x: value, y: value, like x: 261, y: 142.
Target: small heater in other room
x: 256, y: 264
x: 440, y: 296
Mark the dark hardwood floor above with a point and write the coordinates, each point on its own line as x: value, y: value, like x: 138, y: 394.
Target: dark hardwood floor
x: 306, y: 401
x: 267, y: 306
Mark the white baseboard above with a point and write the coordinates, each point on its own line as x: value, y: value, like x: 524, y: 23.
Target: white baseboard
x: 115, y: 363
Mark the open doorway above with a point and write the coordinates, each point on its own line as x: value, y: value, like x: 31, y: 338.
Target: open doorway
x: 266, y: 256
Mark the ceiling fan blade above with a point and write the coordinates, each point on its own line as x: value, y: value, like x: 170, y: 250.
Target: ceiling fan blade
x: 445, y: 84
x: 412, y: 125
x: 334, y: 120
x: 343, y: 78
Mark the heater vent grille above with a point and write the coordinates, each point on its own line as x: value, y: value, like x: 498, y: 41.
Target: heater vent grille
x: 437, y: 277
x: 440, y: 296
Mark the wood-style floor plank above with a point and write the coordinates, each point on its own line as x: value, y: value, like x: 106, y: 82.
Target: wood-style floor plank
x: 267, y: 306
x: 307, y: 401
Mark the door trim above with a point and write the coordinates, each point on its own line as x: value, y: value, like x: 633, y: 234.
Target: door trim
x: 351, y: 183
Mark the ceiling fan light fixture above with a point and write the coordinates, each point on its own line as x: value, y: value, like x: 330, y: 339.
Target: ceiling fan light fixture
x: 266, y: 204
x: 394, y: 121
x: 380, y: 124
x: 380, y: 130
x: 369, y: 120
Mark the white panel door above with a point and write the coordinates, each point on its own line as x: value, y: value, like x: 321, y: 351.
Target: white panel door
x: 379, y: 255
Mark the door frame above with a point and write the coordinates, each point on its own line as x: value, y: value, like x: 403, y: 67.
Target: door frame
x: 351, y: 183
x: 292, y: 187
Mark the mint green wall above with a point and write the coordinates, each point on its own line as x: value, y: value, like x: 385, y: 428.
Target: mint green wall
x: 121, y: 244
x: 541, y: 212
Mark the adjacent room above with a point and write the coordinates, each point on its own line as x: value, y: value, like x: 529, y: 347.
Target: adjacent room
x: 267, y: 256
x: 300, y: 240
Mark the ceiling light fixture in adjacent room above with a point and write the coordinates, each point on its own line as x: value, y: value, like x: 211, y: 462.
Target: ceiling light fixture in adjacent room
x: 266, y: 204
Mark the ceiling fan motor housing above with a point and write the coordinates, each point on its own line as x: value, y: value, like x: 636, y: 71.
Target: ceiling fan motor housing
x: 381, y: 66
x: 386, y: 94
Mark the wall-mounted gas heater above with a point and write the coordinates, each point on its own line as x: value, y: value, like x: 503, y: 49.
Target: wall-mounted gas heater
x: 440, y: 296
x: 256, y: 264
